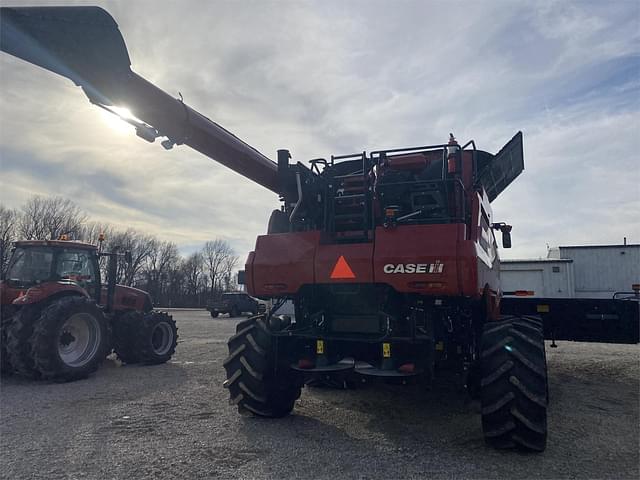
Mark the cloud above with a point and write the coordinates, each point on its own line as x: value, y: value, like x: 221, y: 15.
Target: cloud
x: 322, y: 78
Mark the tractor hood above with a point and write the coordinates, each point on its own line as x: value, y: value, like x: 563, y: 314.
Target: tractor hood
x: 128, y: 298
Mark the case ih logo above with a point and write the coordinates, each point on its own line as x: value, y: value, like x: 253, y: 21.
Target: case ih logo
x: 437, y: 267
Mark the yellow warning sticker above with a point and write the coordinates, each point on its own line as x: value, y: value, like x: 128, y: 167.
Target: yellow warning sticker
x: 440, y: 346
x: 386, y: 350
x: 319, y: 347
x: 542, y: 308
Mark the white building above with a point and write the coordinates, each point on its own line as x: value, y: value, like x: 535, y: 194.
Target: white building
x: 589, y: 271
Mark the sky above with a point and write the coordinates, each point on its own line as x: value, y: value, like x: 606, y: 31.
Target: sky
x: 334, y: 77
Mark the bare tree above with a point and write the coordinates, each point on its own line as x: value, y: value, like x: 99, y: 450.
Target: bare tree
x: 162, y: 259
x: 216, y: 253
x: 90, y: 232
x: 193, y: 269
x: 228, y: 266
x: 48, y: 218
x: 139, y: 245
x: 155, y: 265
x: 8, y: 235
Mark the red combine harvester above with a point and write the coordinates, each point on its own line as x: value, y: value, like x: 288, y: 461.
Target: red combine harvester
x: 389, y: 257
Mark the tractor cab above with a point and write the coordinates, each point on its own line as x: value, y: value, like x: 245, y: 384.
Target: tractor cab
x: 36, y: 263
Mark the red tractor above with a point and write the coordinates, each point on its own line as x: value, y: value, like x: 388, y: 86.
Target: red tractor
x: 60, y: 321
x: 389, y: 257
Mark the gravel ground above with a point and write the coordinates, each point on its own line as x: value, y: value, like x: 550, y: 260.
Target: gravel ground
x: 174, y: 421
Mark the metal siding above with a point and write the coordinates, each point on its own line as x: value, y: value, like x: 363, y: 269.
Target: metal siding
x: 601, y: 271
x: 538, y: 276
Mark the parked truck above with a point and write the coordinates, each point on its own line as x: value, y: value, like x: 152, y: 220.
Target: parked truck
x: 233, y: 303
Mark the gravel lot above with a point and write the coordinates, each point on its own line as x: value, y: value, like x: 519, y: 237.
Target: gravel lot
x: 174, y: 421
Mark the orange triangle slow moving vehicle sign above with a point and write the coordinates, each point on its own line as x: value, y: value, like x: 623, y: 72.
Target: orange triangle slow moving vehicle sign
x: 342, y: 270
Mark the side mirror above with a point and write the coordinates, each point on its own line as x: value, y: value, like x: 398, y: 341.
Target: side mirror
x: 506, y: 233
x: 241, y: 277
x: 506, y: 239
x: 127, y: 257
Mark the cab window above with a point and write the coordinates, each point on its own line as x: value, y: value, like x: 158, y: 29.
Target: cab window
x: 76, y: 266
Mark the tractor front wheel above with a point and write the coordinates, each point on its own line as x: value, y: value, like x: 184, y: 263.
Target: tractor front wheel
x: 513, y: 384
x: 69, y: 340
x: 255, y: 386
x: 148, y: 338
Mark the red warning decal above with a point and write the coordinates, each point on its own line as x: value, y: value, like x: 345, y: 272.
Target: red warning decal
x: 342, y: 270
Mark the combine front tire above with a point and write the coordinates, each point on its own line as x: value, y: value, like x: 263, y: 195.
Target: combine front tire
x: 513, y: 385
x: 148, y: 338
x: 253, y: 384
x: 69, y: 340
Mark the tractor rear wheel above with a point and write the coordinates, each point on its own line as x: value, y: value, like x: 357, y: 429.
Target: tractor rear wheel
x: 70, y: 339
x: 18, y: 333
x: 513, y: 384
x: 253, y: 383
x: 5, y: 365
x: 148, y: 338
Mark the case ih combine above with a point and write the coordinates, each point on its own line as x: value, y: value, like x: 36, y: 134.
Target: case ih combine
x: 389, y: 257
x: 59, y: 320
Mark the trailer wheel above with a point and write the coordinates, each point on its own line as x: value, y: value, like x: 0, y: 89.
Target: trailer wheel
x: 214, y: 314
x: 18, y: 348
x: 70, y: 339
x: 149, y: 338
x: 513, y: 385
x: 252, y: 381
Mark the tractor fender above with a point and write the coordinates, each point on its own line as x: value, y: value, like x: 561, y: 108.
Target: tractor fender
x: 49, y: 291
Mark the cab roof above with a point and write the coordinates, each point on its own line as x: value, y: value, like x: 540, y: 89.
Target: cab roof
x: 55, y: 244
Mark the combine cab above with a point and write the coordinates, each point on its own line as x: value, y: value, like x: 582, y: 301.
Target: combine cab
x: 389, y: 257
x: 59, y: 320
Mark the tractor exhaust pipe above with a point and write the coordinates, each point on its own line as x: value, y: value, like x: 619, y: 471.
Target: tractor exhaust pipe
x: 85, y: 45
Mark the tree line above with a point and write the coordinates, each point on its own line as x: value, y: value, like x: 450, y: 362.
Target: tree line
x: 156, y: 266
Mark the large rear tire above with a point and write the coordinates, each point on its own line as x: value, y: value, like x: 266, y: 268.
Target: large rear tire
x: 513, y: 385
x: 18, y: 348
x: 70, y: 339
x: 255, y: 386
x: 148, y: 338
x: 5, y: 364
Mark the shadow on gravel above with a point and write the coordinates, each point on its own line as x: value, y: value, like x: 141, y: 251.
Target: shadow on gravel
x: 112, y: 379
x: 443, y: 412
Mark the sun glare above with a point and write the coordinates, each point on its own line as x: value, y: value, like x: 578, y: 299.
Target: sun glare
x: 117, y: 122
